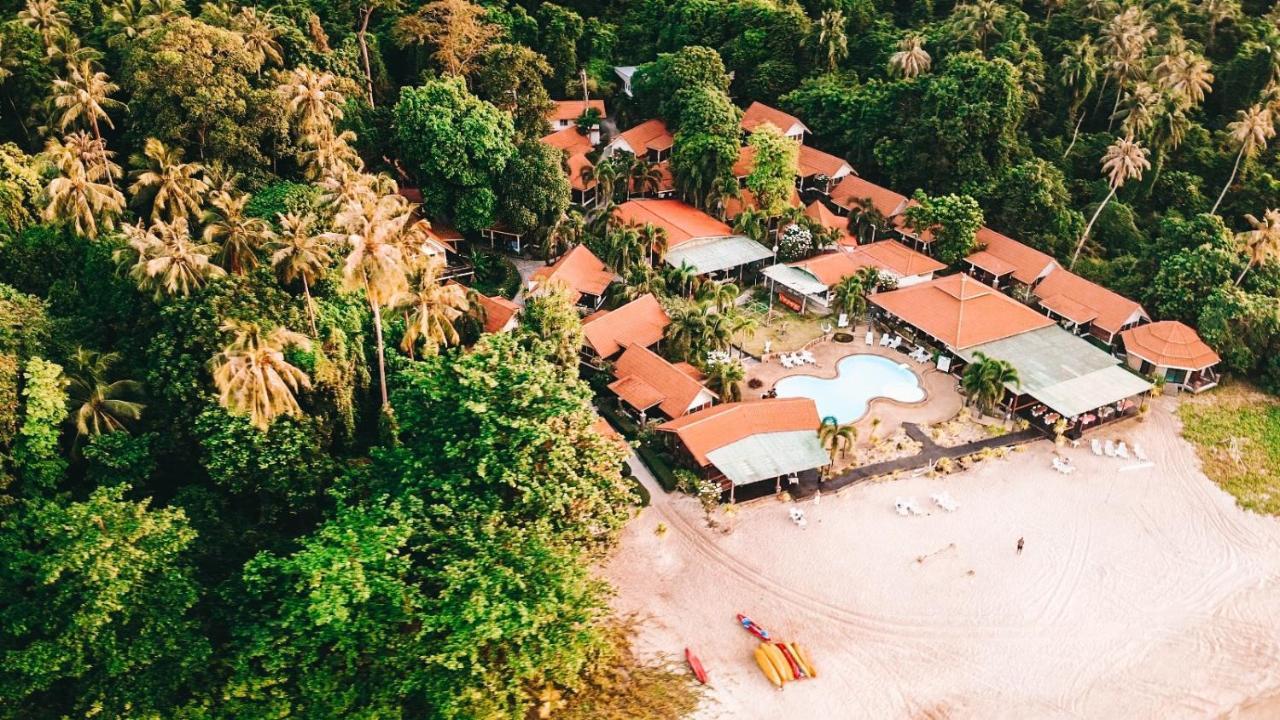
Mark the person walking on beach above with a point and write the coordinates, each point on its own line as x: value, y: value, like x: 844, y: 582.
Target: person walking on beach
x: 1019, y: 546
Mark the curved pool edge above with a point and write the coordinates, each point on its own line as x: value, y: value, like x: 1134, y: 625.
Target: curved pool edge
x: 875, y: 400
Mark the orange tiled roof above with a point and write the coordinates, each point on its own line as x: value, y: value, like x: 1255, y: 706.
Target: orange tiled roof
x: 648, y: 135
x: 829, y: 268
x: 852, y: 188
x: 639, y: 322
x: 894, y: 258
x: 734, y: 206
x: 713, y: 428
x: 578, y: 166
x: 819, y: 212
x: 960, y: 311
x: 579, y: 270
x: 575, y: 146
x: 813, y: 161
x: 1027, y: 263
x: 1111, y: 310
x: 1169, y: 344
x: 682, y: 222
x: 572, y: 109
x: 745, y: 162
x: 759, y: 113
x: 645, y: 380
x: 991, y: 263
x: 498, y: 311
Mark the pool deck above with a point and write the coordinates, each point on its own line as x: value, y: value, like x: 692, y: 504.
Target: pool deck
x: 941, y: 403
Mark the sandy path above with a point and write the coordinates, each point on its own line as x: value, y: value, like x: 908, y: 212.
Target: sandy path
x: 1142, y: 593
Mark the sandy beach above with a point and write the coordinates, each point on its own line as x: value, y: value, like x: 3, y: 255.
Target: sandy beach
x: 1142, y: 592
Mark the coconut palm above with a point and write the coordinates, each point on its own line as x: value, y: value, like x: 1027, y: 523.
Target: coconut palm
x: 1250, y: 133
x: 166, y: 260
x: 432, y: 307
x: 238, y: 236
x: 985, y: 379
x: 311, y: 100
x: 80, y: 149
x: 722, y: 295
x: 84, y: 97
x: 1138, y: 109
x: 1217, y: 12
x: 833, y: 42
x: 1123, y: 161
x: 911, y: 59
x: 979, y: 20
x: 724, y: 378
x: 849, y: 296
x: 754, y: 224
x: 173, y: 189
x: 655, y: 242
x: 253, y: 376
x: 373, y: 229
x: 624, y: 247
x: 682, y: 278
x: 1078, y: 72
x: 1186, y: 75
x: 836, y: 438
x: 76, y: 196
x: 299, y: 253
x: 260, y: 36
x: 643, y: 178
x: 46, y: 17
x: 1262, y: 243
x: 606, y: 175
x: 866, y: 219
x: 95, y: 404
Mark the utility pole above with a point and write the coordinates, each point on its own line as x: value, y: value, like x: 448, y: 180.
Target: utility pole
x: 582, y: 76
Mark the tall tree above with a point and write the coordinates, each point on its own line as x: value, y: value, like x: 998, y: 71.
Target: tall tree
x: 953, y: 220
x: 773, y: 172
x: 84, y: 97
x: 1262, y: 243
x: 458, y: 32
x: 1123, y: 161
x: 165, y: 260
x: 300, y: 253
x: 985, y: 380
x: 171, y: 188
x: 97, y: 404
x: 77, y: 196
x: 910, y: 59
x: 833, y: 42
x: 253, y: 376
x: 238, y: 236
x: 1250, y: 133
x: 979, y: 20
x: 1078, y: 71
x: 431, y: 307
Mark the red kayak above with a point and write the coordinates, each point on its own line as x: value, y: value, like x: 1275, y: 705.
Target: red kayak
x: 750, y: 626
x: 696, y: 665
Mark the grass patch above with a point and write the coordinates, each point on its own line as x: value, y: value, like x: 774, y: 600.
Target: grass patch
x: 1236, y: 430
x: 787, y: 330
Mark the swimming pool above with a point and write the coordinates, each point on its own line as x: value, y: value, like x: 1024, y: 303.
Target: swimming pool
x: 859, y: 378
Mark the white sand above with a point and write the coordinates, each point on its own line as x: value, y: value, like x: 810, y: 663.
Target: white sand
x: 1141, y: 594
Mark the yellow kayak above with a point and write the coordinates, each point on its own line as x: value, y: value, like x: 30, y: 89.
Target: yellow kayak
x: 804, y: 664
x: 803, y: 655
x: 766, y: 666
x: 780, y: 663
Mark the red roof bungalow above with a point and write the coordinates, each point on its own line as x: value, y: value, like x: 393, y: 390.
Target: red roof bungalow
x: 820, y: 213
x: 1002, y: 261
x: 854, y: 196
x: 694, y: 237
x: 957, y: 312
x: 581, y: 272
x: 500, y: 314
x: 650, y: 386
x: 1086, y: 307
x: 758, y: 113
x: 905, y: 266
x: 1171, y: 350
x: 565, y: 114
x: 650, y: 140
x: 756, y: 443
x: 821, y: 171
x: 575, y: 147
x: 606, y: 332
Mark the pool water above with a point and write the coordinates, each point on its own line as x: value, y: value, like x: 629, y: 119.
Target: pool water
x: 859, y: 378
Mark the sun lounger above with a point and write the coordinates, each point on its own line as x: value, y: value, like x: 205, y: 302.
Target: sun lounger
x: 843, y: 321
x: 1109, y: 449
x: 786, y: 361
x: 913, y: 507
x: 1122, y: 451
x: 900, y: 506
x: 871, y: 337
x: 1139, y: 453
x: 1097, y: 446
x: 885, y: 339
x: 945, y: 501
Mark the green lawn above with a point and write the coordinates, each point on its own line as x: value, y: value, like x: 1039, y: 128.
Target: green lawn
x: 788, y: 330
x: 1236, y: 430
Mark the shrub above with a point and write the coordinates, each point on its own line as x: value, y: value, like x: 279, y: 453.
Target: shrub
x: 641, y: 492
x: 660, y: 468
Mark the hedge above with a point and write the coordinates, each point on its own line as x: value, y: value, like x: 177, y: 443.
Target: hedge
x: 660, y: 468
x: 624, y: 424
x: 640, y: 491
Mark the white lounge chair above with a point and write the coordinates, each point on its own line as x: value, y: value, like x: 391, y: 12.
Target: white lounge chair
x: 945, y: 501
x: 897, y: 340
x: 885, y: 339
x: 1139, y: 453
x: 1109, y: 449
x: 843, y: 321
x: 913, y: 507
x: 807, y: 356
x: 944, y: 363
x: 900, y: 506
x: 871, y: 337
x: 1096, y: 444
x: 786, y: 361
x: 1122, y: 451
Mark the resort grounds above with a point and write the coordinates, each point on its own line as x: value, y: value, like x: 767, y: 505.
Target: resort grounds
x: 1144, y: 590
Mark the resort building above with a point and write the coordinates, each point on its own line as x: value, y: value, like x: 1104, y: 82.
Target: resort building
x: 808, y: 284
x: 502, y: 236
x: 758, y: 113
x: 606, y: 333
x: 904, y: 266
x: 750, y: 448
x: 1087, y: 308
x: 877, y: 206
x: 581, y: 272
x: 827, y: 218
x: 650, y: 140
x: 821, y: 171
x: 576, y: 146
x: 746, y: 200
x: 696, y: 238
x: 625, y: 73
x: 442, y: 241
x: 500, y: 314
x: 1006, y: 264
x: 565, y: 114
x: 1173, y: 351
x: 651, y: 387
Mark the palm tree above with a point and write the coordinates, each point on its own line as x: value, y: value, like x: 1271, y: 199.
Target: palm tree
x: 1078, y: 71
x: 832, y: 39
x: 253, y: 376
x: 1262, y: 243
x: 911, y: 59
x: 77, y: 198
x: 1138, y: 109
x: 837, y: 439
x: 724, y: 378
x: 849, y: 296
x: 655, y: 242
x: 1217, y: 12
x: 1124, y: 160
x: 985, y: 379
x: 174, y: 189
x: 46, y: 17
x: 1186, y: 75
x: 1169, y: 128
x: 642, y: 178
x: 259, y: 36
x: 298, y: 253
x: 606, y: 175
x: 238, y: 236
x: 682, y: 278
x: 85, y: 96
x: 624, y: 247
x: 95, y: 405
x: 979, y: 19
x: 373, y: 230
x: 432, y: 308
x: 311, y: 100
x: 166, y: 260
x: 720, y: 294
x: 865, y: 215
x: 1251, y: 132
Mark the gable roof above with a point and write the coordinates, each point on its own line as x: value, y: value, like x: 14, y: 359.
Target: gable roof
x: 824, y: 216
x: 681, y: 221
x: 575, y: 146
x: 648, y: 135
x: 645, y: 379
x: 1169, y: 344
x: 894, y: 258
x: 1066, y: 293
x: 498, y: 312
x: 758, y: 113
x: 573, y: 109
x: 715, y: 427
x: 639, y: 322
x: 734, y: 206
x: 1001, y: 252
x: 580, y: 270
x: 813, y: 161
x: 852, y: 188
x: 960, y: 311
x: 829, y: 268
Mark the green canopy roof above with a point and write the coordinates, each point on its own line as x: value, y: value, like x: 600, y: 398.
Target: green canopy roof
x: 710, y: 255
x: 795, y: 279
x: 769, y: 455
